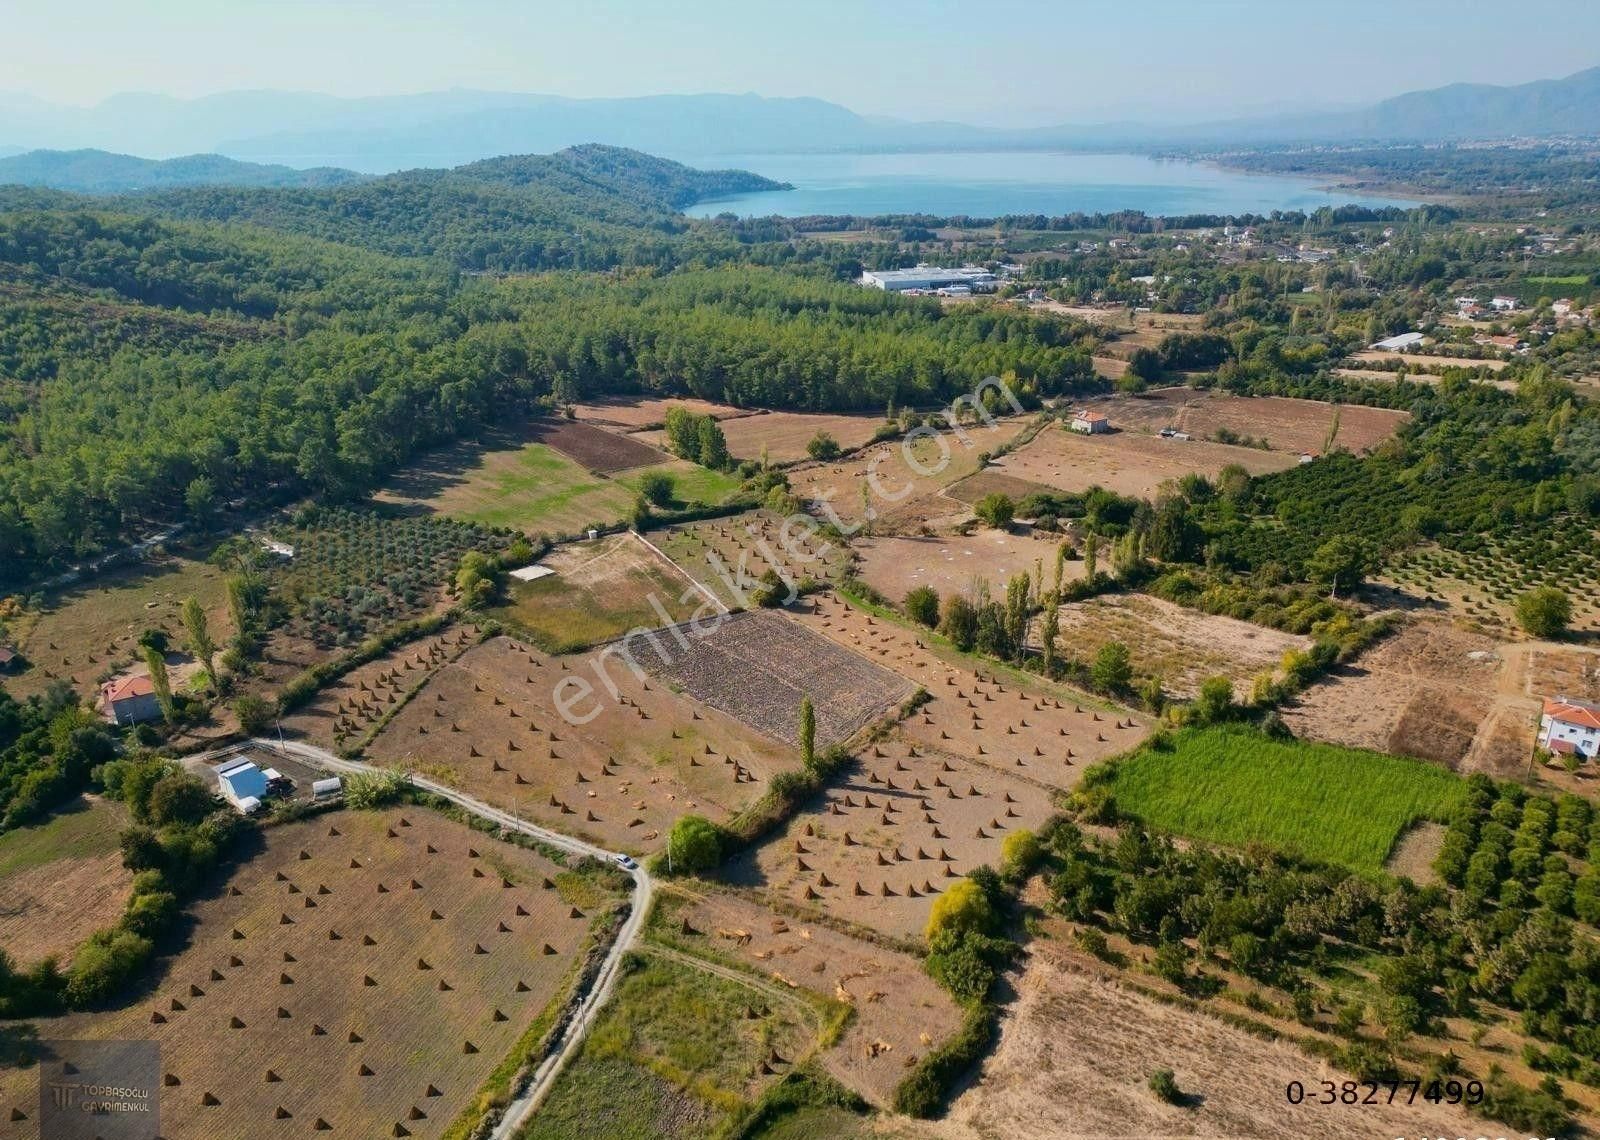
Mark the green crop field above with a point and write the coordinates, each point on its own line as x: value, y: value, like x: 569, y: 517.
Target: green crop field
x: 1236, y: 787
x: 83, y: 829
x: 675, y: 1054
x: 691, y: 483
x: 531, y: 488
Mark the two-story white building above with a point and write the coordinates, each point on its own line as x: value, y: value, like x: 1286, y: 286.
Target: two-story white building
x: 1570, y: 726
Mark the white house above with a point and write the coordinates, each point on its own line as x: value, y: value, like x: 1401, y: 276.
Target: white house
x: 1503, y: 304
x: 1090, y: 423
x: 1570, y: 726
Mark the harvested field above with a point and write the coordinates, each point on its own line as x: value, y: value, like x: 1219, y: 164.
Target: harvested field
x: 1286, y: 424
x: 729, y: 556
x: 364, y: 969
x: 904, y: 477
x: 784, y: 434
x: 991, y: 482
x: 1054, y: 734
x: 545, y: 738
x: 758, y: 665
x: 599, y: 590
x: 61, y: 880
x: 900, y: 1012
x: 89, y: 631
x: 512, y: 481
x: 594, y: 448
x: 952, y: 564
x: 1180, y: 646
x: 888, y: 837
x: 1421, y: 692
x: 1129, y: 463
x: 634, y: 413
x: 1076, y: 1052
x: 346, y: 710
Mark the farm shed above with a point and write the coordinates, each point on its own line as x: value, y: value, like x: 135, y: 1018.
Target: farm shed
x: 241, y: 780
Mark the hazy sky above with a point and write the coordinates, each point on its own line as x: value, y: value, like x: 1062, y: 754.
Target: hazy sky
x: 1005, y: 62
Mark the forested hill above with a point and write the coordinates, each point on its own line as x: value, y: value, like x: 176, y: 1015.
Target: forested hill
x: 153, y: 369
x: 101, y: 172
x: 588, y: 207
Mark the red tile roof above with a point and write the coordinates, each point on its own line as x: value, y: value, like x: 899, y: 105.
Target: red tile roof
x: 128, y: 687
x: 1569, y: 711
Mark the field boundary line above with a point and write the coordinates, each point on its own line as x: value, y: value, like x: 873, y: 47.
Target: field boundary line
x: 693, y: 581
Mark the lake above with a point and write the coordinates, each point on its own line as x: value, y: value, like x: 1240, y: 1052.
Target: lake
x: 986, y: 185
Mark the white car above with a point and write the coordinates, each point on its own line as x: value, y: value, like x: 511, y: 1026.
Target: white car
x: 626, y: 862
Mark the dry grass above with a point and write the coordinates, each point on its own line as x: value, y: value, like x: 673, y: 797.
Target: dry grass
x: 904, y: 478
x: 90, y: 631
x: 784, y: 434
x: 1129, y: 463
x: 599, y: 590
x: 899, y: 1011
x: 1422, y: 692
x: 951, y: 564
x: 1180, y: 646
x: 1286, y: 424
x: 62, y: 880
x: 1076, y: 1052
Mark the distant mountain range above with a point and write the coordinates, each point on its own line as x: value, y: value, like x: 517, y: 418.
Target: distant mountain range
x: 101, y: 172
x: 450, y: 128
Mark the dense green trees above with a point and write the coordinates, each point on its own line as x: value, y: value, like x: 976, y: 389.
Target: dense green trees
x: 1544, y: 612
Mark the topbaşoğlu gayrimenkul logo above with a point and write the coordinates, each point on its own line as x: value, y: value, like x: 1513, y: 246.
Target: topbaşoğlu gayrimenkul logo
x: 99, y: 1090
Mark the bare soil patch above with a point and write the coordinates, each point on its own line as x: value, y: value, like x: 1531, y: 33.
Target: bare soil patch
x: 1286, y: 424
x: 758, y: 666
x: 1129, y: 463
x: 492, y: 724
x: 594, y: 447
x: 308, y: 989
x: 1182, y: 647
x: 900, y: 1012
x: 1076, y: 1052
x: 952, y: 564
x: 992, y: 482
x: 1422, y: 692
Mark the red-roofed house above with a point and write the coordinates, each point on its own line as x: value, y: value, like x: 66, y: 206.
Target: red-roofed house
x: 8, y: 657
x: 1568, y: 725
x: 1090, y: 423
x: 129, y: 700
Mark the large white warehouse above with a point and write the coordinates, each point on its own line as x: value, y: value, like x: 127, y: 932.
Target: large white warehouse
x: 974, y: 277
